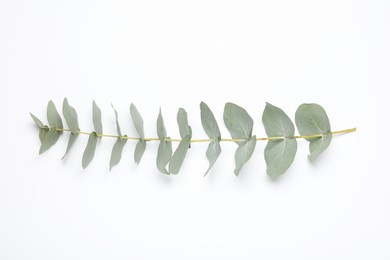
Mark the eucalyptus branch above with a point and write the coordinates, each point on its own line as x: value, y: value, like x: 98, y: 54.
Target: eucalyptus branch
x: 311, y: 120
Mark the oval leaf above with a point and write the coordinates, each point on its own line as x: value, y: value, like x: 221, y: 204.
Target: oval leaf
x: 164, y: 155
x: 276, y: 122
x: 118, y: 128
x: 139, y: 151
x: 97, y: 118
x: 279, y: 155
x: 209, y: 123
x: 311, y: 119
x: 37, y: 121
x: 50, y: 139
x: 182, y: 121
x: 238, y: 121
x: 117, y: 150
x: 244, y: 153
x: 70, y: 116
x: 212, y: 154
x: 137, y: 120
x: 161, y: 132
x: 42, y: 134
x: 179, y: 155
x: 53, y: 117
x: 90, y: 149
x: 72, y: 138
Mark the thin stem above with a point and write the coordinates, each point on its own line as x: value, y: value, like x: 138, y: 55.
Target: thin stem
x: 148, y: 139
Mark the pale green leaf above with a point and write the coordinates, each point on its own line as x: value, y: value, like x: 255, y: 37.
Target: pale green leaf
x: 118, y: 128
x: 209, y: 123
x: 182, y: 121
x: 139, y: 151
x: 50, y: 139
x: 138, y: 121
x: 244, y: 153
x: 179, y: 155
x: 117, y: 150
x: 276, y: 122
x: 279, y: 155
x: 53, y: 117
x: 70, y: 116
x: 97, y: 118
x: 72, y: 139
x: 311, y: 119
x: 161, y: 132
x: 89, y: 152
x: 212, y: 154
x: 37, y: 121
x: 164, y: 155
x: 238, y: 121
x: 42, y: 134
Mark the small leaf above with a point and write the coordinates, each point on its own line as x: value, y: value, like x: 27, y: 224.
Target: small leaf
x: 138, y: 121
x: 37, y: 121
x: 212, y: 153
x: 182, y: 121
x: 161, y: 132
x: 72, y: 138
x: 311, y: 119
x: 53, y: 117
x: 279, y: 155
x: 97, y: 118
x: 50, y: 139
x: 238, y: 121
x: 276, y: 122
x: 117, y: 150
x: 179, y: 155
x: 244, y: 153
x: 118, y: 128
x: 70, y: 116
x: 89, y: 152
x: 42, y: 134
x: 164, y: 155
x: 209, y: 123
x: 139, y: 151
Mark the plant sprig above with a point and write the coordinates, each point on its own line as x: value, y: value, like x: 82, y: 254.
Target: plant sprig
x: 311, y: 120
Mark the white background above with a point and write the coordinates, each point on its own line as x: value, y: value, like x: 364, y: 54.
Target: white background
x: 175, y: 54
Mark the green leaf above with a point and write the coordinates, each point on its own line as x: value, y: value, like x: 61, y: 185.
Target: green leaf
x: 164, y: 155
x: 161, y: 132
x: 279, y: 155
x: 90, y: 149
x: 139, y: 151
x: 97, y: 118
x: 182, y: 121
x: 209, y: 123
x: 117, y: 150
x: 138, y: 121
x: 50, y: 139
x: 118, y: 128
x: 179, y: 155
x: 70, y: 116
x: 42, y: 134
x: 244, y: 153
x: 238, y: 121
x: 72, y: 138
x: 311, y: 119
x: 53, y: 117
x: 37, y: 121
x: 212, y: 154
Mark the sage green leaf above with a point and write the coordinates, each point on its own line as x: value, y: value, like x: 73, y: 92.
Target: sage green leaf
x: 276, y: 122
x: 279, y: 155
x: 90, y: 149
x: 50, y: 139
x: 238, y: 121
x: 70, y: 116
x: 37, y: 121
x: 244, y: 153
x: 42, y: 134
x: 209, y: 123
x: 139, y: 151
x: 161, y: 132
x: 164, y: 155
x: 182, y: 121
x: 72, y: 139
x: 53, y: 117
x: 97, y: 118
x: 117, y: 150
x: 212, y: 154
x: 118, y: 128
x: 179, y: 155
x: 311, y: 119
x: 138, y: 121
